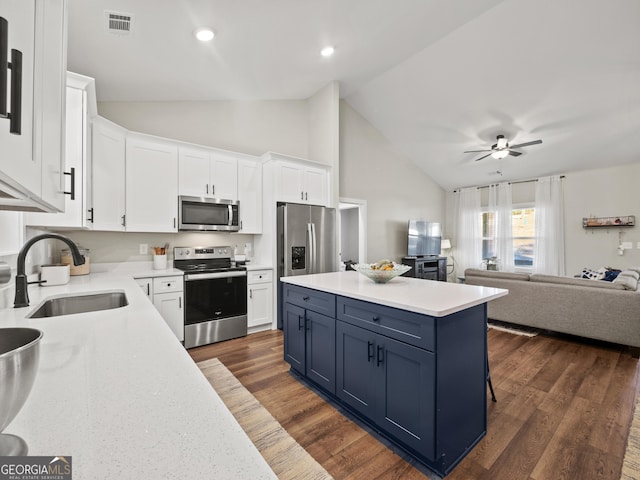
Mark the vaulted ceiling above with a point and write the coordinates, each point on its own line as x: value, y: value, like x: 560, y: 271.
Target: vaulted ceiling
x: 436, y: 77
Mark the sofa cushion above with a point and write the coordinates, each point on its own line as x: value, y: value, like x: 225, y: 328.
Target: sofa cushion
x: 628, y: 282
x: 495, y: 274
x: 634, y: 269
x: 578, y: 282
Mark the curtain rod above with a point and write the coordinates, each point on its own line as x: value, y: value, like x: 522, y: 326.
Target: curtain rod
x: 510, y: 183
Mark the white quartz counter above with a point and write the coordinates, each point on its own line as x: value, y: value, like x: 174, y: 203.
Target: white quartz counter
x: 428, y: 297
x: 117, y: 391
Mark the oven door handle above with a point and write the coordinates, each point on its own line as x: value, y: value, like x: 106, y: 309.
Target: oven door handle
x: 207, y: 276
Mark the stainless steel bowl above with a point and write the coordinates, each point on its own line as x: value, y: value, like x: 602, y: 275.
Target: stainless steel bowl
x: 19, y: 355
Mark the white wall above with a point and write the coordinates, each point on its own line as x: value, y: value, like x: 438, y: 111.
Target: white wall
x: 252, y: 127
x: 395, y: 189
x: 324, y: 133
x: 603, y: 192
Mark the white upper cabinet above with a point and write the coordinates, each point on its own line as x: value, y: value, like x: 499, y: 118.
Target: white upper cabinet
x: 151, y: 184
x: 301, y: 183
x: 108, y: 176
x: 32, y: 126
x: 193, y: 172
x: 80, y: 104
x: 224, y: 175
x: 207, y: 173
x: 250, y: 195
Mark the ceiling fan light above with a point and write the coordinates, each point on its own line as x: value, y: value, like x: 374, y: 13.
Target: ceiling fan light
x: 204, y: 34
x: 500, y: 154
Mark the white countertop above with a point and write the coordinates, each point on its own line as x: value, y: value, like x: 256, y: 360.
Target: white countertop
x: 117, y: 391
x: 428, y: 297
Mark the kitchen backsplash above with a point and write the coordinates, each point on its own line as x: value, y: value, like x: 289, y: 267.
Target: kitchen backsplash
x: 109, y: 247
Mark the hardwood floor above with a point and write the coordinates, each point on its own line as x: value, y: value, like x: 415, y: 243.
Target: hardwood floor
x: 563, y: 412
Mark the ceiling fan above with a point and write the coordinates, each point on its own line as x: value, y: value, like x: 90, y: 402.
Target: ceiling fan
x: 501, y: 148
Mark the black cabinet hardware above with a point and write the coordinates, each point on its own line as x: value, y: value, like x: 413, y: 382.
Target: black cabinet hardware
x: 90, y: 219
x: 299, y: 322
x: 15, y: 115
x: 380, y: 355
x: 369, y: 351
x: 72, y: 193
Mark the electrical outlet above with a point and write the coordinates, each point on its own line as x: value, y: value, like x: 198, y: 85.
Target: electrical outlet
x: 144, y: 249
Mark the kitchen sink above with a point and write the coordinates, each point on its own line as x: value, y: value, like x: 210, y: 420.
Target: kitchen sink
x: 88, y: 302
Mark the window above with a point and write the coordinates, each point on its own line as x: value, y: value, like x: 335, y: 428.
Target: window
x: 523, y: 228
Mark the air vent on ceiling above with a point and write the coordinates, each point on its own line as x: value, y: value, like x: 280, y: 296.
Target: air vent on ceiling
x: 119, y: 23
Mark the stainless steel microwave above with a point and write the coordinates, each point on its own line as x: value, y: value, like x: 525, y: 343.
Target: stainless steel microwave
x: 208, y: 214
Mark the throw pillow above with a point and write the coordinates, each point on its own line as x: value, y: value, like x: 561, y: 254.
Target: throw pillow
x: 610, y: 275
x: 629, y: 283
x: 593, y: 274
x: 630, y: 273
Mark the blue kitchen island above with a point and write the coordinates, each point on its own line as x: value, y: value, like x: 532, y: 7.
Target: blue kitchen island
x: 407, y: 357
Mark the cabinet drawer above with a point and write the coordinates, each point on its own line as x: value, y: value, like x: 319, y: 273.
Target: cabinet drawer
x: 259, y: 276
x: 408, y: 327
x: 320, y: 302
x: 167, y: 284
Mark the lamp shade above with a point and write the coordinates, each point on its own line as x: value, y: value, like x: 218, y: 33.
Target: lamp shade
x: 445, y: 244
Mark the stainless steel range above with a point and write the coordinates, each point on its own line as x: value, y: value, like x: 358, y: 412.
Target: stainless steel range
x: 215, y: 295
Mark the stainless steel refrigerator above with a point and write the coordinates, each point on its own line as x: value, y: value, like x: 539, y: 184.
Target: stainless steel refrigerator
x: 306, y: 242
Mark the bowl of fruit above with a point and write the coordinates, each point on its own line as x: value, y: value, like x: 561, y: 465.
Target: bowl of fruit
x: 382, y: 271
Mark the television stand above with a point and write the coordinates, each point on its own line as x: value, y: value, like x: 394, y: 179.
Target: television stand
x: 427, y: 267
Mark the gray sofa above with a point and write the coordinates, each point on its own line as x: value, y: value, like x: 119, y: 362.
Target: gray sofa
x: 595, y: 309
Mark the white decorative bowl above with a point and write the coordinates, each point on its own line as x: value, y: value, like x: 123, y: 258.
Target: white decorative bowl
x: 381, y: 276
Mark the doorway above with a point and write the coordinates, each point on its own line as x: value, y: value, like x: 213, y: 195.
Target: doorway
x: 352, y: 224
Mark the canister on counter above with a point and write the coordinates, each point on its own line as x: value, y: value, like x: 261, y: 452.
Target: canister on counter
x: 67, y: 259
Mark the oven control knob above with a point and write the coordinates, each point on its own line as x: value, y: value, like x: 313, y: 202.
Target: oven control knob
x: 185, y: 252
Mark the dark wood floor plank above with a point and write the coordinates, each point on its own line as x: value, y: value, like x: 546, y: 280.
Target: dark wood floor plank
x: 564, y: 409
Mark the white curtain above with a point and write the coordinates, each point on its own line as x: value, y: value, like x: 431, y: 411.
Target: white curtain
x: 549, y: 227
x: 501, y: 204
x: 468, y: 234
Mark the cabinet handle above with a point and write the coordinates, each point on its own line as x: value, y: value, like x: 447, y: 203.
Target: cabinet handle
x: 301, y: 195
x: 251, y: 293
x: 376, y: 318
x: 148, y: 289
x: 380, y: 359
x: 72, y: 193
x: 179, y: 302
x: 4, y: 65
x: 207, y: 188
x: 306, y: 299
x: 174, y: 222
x: 124, y: 220
x: 213, y: 189
x: 15, y: 117
x: 90, y: 219
x: 240, y: 224
x: 369, y: 351
x: 299, y: 322
x: 306, y: 195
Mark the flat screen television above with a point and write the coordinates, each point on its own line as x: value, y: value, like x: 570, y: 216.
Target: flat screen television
x: 424, y: 238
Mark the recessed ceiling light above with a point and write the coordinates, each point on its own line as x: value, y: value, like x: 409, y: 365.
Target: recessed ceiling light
x: 204, y: 34
x: 327, y: 51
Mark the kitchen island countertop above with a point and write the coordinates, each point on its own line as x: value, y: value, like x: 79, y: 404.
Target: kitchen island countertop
x: 427, y: 297
x: 117, y: 392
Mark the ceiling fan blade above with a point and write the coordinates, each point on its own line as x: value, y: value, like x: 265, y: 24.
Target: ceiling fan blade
x: 515, y: 154
x: 526, y: 144
x: 477, y: 151
x: 487, y: 155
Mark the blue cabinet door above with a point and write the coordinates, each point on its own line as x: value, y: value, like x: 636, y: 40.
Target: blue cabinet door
x: 355, y: 368
x: 293, y: 326
x: 405, y: 402
x: 321, y: 350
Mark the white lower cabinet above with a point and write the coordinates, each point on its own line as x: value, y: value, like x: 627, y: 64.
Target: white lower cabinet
x: 167, y: 295
x: 259, y: 299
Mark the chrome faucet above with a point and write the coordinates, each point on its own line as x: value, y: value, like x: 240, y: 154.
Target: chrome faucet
x: 22, y: 296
